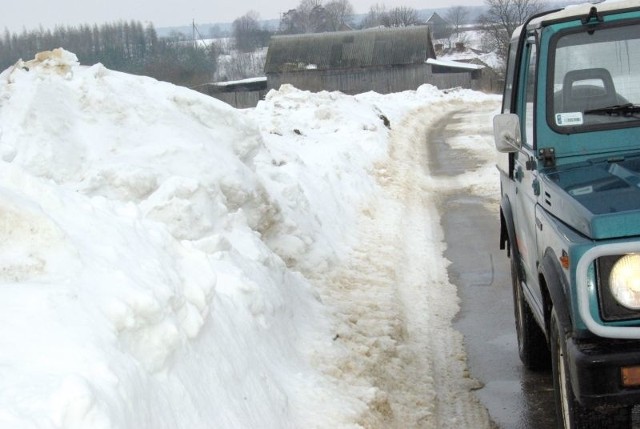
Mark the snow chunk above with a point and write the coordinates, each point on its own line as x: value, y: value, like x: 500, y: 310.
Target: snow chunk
x: 59, y: 60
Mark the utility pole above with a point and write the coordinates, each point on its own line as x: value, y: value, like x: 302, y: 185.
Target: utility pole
x: 193, y: 33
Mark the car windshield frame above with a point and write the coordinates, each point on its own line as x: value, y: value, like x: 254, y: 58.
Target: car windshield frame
x: 596, y: 84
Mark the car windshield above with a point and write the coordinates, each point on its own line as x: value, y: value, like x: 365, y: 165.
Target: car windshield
x: 596, y: 79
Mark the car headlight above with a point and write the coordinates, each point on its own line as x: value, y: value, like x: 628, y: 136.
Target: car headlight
x: 624, y: 281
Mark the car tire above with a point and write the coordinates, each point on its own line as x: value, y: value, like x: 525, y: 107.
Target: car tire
x: 532, y: 344
x: 570, y: 414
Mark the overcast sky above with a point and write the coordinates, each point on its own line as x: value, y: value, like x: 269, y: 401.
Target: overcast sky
x: 29, y: 14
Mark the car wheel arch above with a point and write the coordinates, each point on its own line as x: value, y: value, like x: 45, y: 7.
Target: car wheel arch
x: 554, y: 287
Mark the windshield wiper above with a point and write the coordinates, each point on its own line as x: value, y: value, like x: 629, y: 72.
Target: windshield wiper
x: 627, y: 109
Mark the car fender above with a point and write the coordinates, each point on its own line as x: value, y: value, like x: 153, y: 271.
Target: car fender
x: 556, y: 288
x: 508, y: 233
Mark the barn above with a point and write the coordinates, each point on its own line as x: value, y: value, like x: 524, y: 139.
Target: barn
x: 383, y: 60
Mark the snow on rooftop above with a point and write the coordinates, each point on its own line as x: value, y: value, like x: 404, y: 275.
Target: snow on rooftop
x: 454, y: 64
x: 241, y: 81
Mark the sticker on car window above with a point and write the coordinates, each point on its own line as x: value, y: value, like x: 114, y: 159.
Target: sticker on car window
x: 569, y: 118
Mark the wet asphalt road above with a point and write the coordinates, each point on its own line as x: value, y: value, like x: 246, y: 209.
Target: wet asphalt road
x: 515, y: 398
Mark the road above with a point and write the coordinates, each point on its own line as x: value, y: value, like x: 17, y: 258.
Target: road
x: 515, y: 398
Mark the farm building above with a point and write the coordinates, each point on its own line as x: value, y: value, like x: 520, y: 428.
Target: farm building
x: 440, y: 28
x: 383, y: 60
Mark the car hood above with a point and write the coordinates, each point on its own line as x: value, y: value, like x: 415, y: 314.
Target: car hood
x: 599, y: 199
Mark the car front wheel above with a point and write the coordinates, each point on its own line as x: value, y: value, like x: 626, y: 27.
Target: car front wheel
x: 570, y: 414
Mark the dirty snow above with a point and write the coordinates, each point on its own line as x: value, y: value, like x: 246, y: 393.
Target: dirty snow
x: 167, y: 261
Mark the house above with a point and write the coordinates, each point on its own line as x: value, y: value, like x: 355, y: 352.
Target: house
x: 440, y: 28
x: 456, y: 59
x: 473, y: 74
x: 383, y: 60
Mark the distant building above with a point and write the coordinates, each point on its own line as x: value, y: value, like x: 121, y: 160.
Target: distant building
x: 240, y: 93
x: 383, y: 60
x: 440, y: 28
x: 485, y: 77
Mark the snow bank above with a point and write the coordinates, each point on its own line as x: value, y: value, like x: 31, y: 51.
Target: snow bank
x: 137, y: 290
x: 159, y: 250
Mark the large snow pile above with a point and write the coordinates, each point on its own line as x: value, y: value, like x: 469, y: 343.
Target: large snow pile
x: 157, y: 247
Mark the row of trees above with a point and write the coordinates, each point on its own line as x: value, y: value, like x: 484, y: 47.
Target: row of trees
x: 313, y: 16
x: 248, y: 34
x: 124, y: 46
x: 134, y: 48
x: 400, y: 16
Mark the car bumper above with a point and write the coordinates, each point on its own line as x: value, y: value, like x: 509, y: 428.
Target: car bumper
x: 596, y: 371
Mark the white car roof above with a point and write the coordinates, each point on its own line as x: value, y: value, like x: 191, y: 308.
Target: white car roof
x: 579, y: 10
x: 584, y: 9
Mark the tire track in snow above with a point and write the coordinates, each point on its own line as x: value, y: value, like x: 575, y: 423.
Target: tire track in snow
x: 394, y: 309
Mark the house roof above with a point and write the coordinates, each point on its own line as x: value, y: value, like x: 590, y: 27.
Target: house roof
x: 436, y: 19
x: 349, y: 49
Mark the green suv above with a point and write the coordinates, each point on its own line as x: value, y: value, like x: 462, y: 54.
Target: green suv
x: 569, y: 162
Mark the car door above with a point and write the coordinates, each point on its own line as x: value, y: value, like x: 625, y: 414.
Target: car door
x: 525, y: 174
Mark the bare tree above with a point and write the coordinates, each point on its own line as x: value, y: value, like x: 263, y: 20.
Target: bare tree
x: 502, y: 18
x: 292, y: 22
x: 247, y: 32
x: 307, y: 5
x: 403, y: 17
x: 339, y: 14
x: 312, y: 17
x: 376, y: 17
x: 311, y: 14
x: 244, y: 31
x: 457, y: 16
x: 299, y: 20
x: 318, y: 20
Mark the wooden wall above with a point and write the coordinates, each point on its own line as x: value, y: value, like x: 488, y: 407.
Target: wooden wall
x: 383, y: 80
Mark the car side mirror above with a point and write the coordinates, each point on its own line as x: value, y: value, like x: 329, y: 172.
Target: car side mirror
x: 506, y: 132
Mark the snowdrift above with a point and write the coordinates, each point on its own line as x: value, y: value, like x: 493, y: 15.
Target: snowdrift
x: 136, y: 286
x: 157, y: 249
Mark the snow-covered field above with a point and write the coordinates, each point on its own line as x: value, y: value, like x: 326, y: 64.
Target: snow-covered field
x: 167, y: 261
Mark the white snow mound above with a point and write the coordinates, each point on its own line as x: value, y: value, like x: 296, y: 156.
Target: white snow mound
x: 168, y: 261
x: 135, y: 287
